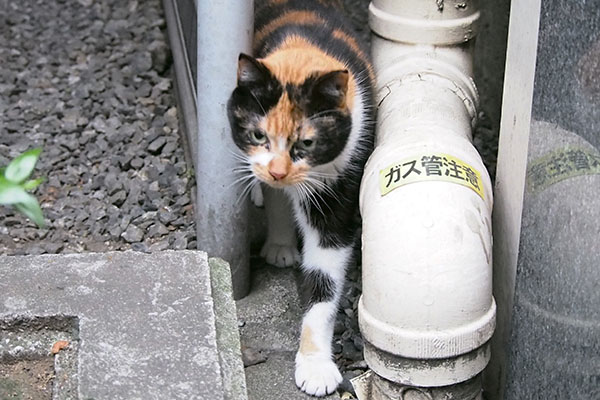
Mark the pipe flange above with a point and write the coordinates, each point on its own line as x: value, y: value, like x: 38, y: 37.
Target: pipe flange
x: 427, y: 373
x: 427, y: 344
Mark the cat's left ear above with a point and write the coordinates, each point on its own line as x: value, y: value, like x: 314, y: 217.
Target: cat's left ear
x: 332, y: 87
x: 250, y: 70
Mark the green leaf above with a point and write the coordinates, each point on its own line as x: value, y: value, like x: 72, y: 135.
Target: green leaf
x: 11, y: 193
x: 21, y: 167
x: 32, y: 210
x: 32, y: 183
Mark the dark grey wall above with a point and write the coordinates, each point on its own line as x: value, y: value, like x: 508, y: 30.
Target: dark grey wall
x: 567, y: 79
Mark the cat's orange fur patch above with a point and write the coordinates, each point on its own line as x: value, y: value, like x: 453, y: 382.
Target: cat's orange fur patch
x: 307, y: 345
x: 296, y: 59
x: 283, y: 120
x: 295, y: 17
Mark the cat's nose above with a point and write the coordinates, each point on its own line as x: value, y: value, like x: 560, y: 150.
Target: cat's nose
x: 278, y: 175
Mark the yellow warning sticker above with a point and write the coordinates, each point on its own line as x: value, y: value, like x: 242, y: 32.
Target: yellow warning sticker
x: 561, y: 164
x: 430, y: 167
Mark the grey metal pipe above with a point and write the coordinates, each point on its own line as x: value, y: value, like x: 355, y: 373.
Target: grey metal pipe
x: 224, y: 30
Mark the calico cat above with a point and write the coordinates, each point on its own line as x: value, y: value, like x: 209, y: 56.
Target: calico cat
x: 302, y: 114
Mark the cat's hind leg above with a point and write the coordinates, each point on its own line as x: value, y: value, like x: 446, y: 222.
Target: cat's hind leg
x: 281, y: 246
x: 324, y: 270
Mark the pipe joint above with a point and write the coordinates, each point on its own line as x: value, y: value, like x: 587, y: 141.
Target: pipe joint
x: 437, y: 90
x: 441, y: 22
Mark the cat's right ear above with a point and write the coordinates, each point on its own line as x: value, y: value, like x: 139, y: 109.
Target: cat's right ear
x: 250, y: 70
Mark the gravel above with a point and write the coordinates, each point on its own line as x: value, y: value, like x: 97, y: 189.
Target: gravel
x: 90, y: 82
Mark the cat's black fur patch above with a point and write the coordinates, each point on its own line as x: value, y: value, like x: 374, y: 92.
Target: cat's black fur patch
x: 317, y: 287
x: 336, y: 218
x: 251, y: 98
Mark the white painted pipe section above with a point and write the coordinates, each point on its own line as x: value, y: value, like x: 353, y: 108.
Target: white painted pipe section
x: 224, y: 31
x: 439, y: 22
x: 427, y: 311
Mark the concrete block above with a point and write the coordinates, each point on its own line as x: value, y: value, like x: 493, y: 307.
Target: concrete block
x: 228, y: 335
x: 142, y: 326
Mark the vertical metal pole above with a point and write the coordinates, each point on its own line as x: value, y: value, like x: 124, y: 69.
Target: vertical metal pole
x: 510, y: 178
x: 224, y: 30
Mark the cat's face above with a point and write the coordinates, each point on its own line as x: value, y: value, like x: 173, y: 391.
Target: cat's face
x: 289, y: 131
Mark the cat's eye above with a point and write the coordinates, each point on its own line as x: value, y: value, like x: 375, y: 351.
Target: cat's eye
x: 258, y: 137
x: 307, y: 144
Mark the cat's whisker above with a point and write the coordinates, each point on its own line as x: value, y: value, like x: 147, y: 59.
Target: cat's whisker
x: 323, y: 176
x: 322, y: 186
x: 300, y: 192
x: 321, y: 113
x: 246, y: 191
x: 301, y: 195
x: 241, y: 179
x: 242, y: 169
x: 312, y: 197
x: 326, y: 189
x: 239, y: 156
x: 308, y: 201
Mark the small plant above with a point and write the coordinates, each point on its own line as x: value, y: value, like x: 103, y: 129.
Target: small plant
x: 14, y: 184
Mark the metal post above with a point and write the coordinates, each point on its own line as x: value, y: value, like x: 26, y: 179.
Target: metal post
x: 510, y: 178
x: 224, y: 30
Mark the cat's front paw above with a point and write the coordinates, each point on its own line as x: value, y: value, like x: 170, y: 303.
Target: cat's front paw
x: 316, y: 375
x: 280, y: 255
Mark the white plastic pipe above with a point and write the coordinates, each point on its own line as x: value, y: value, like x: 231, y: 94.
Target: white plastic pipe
x: 427, y: 311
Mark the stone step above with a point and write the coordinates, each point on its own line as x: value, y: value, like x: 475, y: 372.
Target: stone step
x: 138, y: 326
